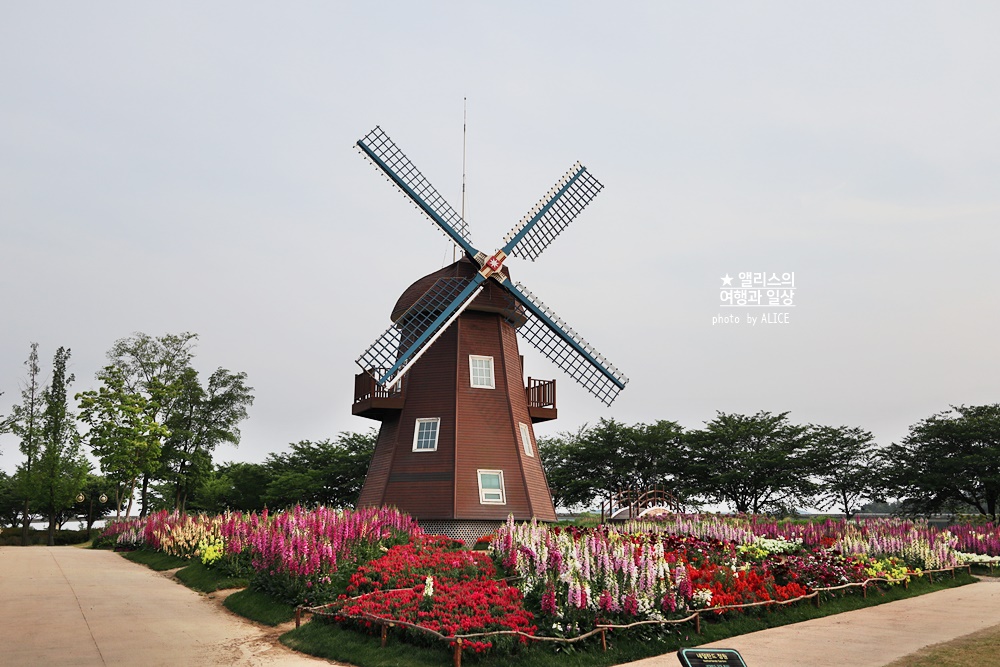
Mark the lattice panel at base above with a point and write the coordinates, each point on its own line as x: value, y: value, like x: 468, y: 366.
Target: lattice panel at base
x: 468, y: 530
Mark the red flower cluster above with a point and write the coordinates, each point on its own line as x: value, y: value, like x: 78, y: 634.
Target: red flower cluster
x: 407, y: 565
x: 458, y: 607
x: 742, y: 586
x: 464, y: 598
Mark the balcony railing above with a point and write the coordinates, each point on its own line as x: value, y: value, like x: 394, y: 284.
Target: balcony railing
x: 541, y: 393
x: 374, y: 401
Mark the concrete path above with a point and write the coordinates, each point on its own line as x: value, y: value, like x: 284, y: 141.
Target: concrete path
x: 71, y: 606
x: 870, y: 637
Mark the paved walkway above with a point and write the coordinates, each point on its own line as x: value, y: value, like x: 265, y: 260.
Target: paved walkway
x: 72, y: 606
x: 870, y: 637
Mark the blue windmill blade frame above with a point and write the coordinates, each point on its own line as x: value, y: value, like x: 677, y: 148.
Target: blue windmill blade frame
x: 393, y: 353
x: 552, y: 214
x: 384, y: 154
x: 547, y: 332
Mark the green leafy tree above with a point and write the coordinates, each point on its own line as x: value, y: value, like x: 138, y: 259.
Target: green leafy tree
x: 233, y: 486
x: 846, y: 464
x: 948, y: 458
x: 599, y: 461
x: 753, y: 463
x: 61, y: 466
x: 25, y: 422
x: 10, y: 501
x: 202, y: 418
x: 326, y: 472
x: 123, y: 433
x: 152, y: 368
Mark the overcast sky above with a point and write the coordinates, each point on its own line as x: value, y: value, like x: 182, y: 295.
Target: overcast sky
x: 170, y: 167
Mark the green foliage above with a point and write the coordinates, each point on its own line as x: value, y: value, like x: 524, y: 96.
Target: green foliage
x: 124, y: 434
x: 597, y: 461
x: 10, y: 502
x: 259, y: 607
x: 25, y: 422
x: 846, y: 464
x: 203, y: 417
x: 207, y: 579
x: 155, y: 560
x: 950, y: 459
x: 326, y: 472
x: 61, y: 466
x: 755, y: 463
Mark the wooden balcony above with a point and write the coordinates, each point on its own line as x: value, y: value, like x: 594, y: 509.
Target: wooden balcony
x: 541, y: 400
x: 374, y: 402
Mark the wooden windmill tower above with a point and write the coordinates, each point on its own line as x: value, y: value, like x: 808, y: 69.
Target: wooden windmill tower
x: 456, y: 448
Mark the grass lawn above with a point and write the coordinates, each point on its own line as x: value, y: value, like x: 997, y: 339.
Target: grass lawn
x: 973, y: 650
x: 259, y: 607
x: 335, y: 643
x: 155, y: 560
x: 207, y: 580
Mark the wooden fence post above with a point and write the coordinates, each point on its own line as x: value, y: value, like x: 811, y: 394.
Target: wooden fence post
x: 604, y: 640
x: 385, y: 629
x: 697, y: 623
x: 298, y: 616
x: 457, y: 658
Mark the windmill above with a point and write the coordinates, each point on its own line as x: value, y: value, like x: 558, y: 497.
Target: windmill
x: 456, y: 448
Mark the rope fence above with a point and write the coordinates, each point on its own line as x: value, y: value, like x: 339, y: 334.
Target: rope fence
x: 457, y: 641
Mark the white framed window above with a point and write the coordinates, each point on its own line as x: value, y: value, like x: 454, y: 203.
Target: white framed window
x: 526, y: 439
x: 425, y: 434
x: 491, y: 490
x: 481, y: 372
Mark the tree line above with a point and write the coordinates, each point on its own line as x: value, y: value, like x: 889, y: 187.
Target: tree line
x: 948, y: 462
x: 152, y: 424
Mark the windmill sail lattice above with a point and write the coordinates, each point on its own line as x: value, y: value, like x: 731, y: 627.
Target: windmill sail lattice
x: 554, y: 213
x: 381, y: 150
x: 403, y: 343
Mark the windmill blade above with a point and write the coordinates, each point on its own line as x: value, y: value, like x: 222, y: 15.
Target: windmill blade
x: 549, y: 335
x: 552, y: 213
x: 381, y: 150
x: 412, y: 334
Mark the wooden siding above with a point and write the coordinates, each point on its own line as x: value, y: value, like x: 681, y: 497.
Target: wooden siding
x: 479, y: 428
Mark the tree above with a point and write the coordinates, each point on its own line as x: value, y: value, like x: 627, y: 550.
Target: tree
x: 200, y: 420
x: 753, y: 463
x: 10, y: 501
x: 151, y: 367
x: 599, y: 461
x: 124, y: 434
x: 846, y: 465
x: 61, y: 465
x: 25, y: 422
x: 950, y: 457
x: 233, y: 486
x: 327, y: 472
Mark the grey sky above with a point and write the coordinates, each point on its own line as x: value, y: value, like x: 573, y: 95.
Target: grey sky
x: 190, y: 167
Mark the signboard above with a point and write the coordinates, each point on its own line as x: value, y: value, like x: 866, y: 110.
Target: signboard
x: 710, y: 657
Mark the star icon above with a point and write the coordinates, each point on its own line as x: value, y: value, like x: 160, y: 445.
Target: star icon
x: 727, y: 280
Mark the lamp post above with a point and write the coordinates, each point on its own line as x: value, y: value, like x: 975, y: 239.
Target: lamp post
x: 80, y: 497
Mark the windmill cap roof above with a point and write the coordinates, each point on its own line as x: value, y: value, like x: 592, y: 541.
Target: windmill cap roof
x: 493, y: 298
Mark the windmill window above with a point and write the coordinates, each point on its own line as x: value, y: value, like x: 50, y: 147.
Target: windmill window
x: 526, y: 439
x: 481, y: 372
x: 491, y: 491
x: 425, y: 435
